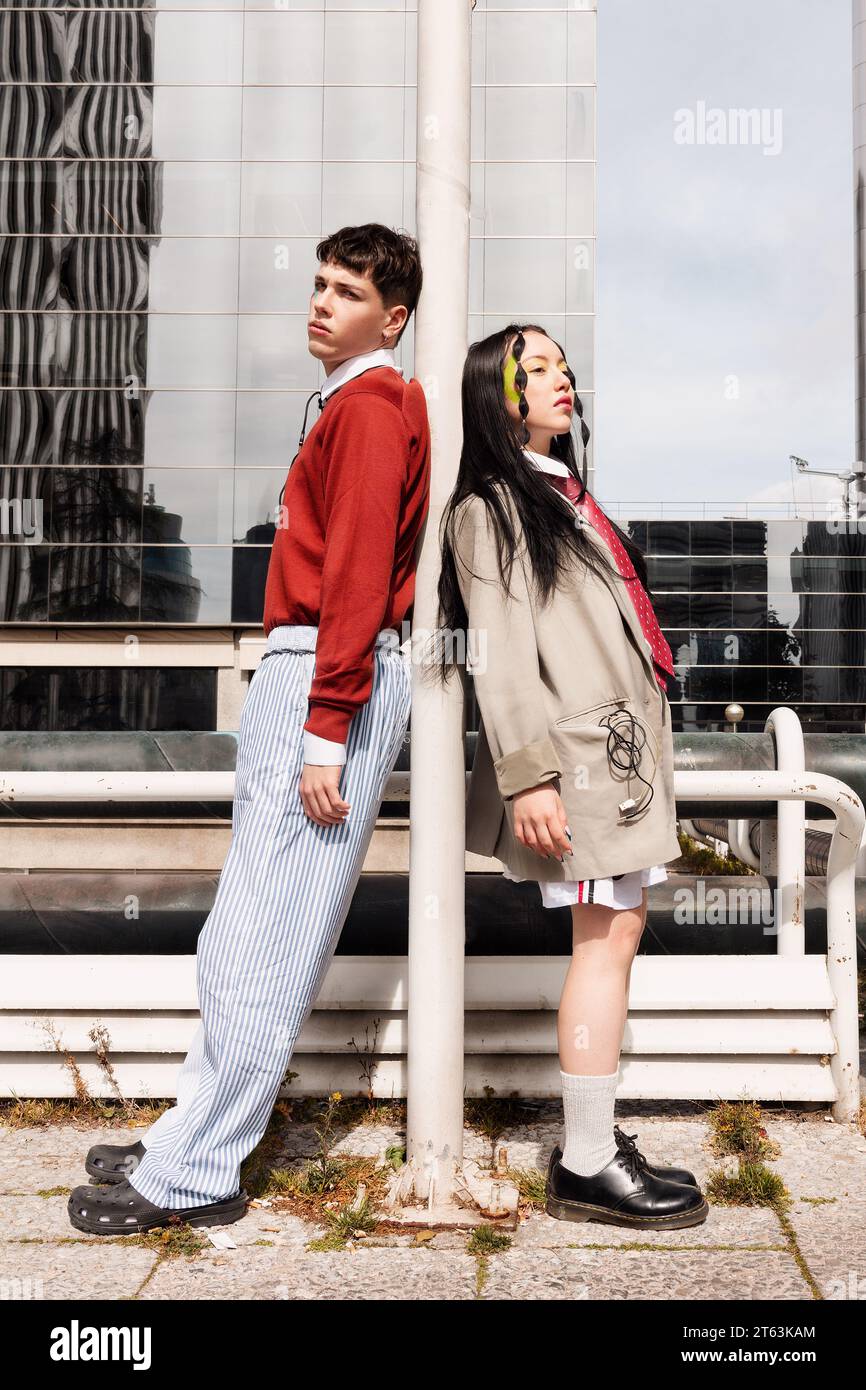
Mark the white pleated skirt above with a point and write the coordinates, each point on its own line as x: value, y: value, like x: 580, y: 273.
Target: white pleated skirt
x: 624, y: 891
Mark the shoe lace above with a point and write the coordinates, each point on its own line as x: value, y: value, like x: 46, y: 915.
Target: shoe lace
x: 629, y: 1149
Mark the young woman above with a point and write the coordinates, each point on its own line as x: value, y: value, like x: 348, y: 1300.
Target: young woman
x: 572, y: 781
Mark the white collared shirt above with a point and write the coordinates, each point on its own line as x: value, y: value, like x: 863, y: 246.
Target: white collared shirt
x: 545, y: 464
x: 354, y: 366
x: 324, y: 752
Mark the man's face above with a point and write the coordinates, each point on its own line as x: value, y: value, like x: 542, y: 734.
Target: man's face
x: 347, y: 316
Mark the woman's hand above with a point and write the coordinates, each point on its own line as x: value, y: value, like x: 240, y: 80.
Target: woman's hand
x: 540, y: 821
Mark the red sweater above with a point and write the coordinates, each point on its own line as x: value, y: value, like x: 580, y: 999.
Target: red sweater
x: 344, y: 558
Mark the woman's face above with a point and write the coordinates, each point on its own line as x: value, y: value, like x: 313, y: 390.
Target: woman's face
x: 548, y: 391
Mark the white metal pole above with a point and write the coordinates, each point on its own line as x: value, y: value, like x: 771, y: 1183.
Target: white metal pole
x: 790, y: 914
x: 434, y: 1129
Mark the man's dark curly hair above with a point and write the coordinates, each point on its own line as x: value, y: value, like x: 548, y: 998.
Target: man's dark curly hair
x: 389, y: 258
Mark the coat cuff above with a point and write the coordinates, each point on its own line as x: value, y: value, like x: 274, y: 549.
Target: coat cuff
x: 322, y: 751
x: 526, y: 767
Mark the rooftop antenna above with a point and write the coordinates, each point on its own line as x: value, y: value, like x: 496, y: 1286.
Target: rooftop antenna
x: 856, y: 475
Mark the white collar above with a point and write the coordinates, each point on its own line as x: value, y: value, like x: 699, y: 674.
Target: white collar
x: 354, y: 366
x: 545, y: 464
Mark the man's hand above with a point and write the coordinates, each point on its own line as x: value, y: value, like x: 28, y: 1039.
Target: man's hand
x: 320, y: 794
x: 540, y: 821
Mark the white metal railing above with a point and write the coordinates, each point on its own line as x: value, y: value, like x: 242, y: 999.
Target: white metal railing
x: 721, y: 511
x: 709, y: 786
x: 845, y: 841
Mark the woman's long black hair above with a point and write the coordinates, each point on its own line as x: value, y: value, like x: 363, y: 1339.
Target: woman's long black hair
x: 493, y: 453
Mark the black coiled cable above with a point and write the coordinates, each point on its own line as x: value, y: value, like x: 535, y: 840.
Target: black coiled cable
x: 629, y: 747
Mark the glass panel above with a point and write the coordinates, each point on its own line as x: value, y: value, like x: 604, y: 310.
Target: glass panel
x: 110, y: 121
x: 94, y: 583
x: 257, y: 492
x: 272, y: 352
x: 525, y: 123
x: 190, y: 428
x: 358, y: 50
x: 281, y: 200
x: 180, y: 584
x: 193, y: 275
x: 710, y: 610
x: 25, y: 505
x: 524, y: 199
x: 199, y: 199
x: 38, y: 287
x: 192, y: 351
x: 579, y: 347
x: 712, y: 575
x: 31, y: 122
x: 24, y: 583
x: 32, y: 48
x: 67, y: 699
x: 98, y: 427
x: 362, y: 123
x: 581, y: 47
x: 30, y: 197
x: 750, y: 574
x: 711, y: 537
x: 580, y: 200
x: 249, y: 573
x: 669, y: 575
x: 520, y: 280
x: 277, y: 276
x: 186, y: 505
x: 282, y: 122
x: 282, y: 47
x: 27, y: 429
x: 356, y: 193
x: 580, y: 122
x: 527, y: 48
x: 96, y: 505
x: 268, y: 426
x: 198, y: 123
x: 109, y: 47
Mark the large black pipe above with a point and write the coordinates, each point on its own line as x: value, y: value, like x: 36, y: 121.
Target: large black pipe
x: 119, y: 913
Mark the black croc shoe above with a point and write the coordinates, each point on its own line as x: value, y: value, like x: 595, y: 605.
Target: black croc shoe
x: 121, y: 1211
x: 624, y: 1142
x: 113, y: 1162
x: 624, y: 1193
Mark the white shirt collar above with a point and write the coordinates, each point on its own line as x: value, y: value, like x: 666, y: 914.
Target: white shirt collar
x: 545, y: 464
x: 354, y: 366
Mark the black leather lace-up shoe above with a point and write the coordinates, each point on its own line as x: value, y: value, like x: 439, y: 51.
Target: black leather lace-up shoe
x: 624, y: 1193
x: 624, y: 1142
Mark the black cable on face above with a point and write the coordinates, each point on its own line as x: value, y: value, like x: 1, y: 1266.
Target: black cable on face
x: 629, y: 747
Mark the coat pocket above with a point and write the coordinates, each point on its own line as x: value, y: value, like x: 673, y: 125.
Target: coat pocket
x: 588, y: 715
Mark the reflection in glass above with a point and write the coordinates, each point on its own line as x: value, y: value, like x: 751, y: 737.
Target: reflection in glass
x: 45, y: 699
x: 94, y: 584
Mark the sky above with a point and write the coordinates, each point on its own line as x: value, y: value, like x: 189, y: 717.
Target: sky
x: 725, y: 282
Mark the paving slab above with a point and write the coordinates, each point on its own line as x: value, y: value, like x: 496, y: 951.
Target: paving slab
x: 376, y: 1273
x: 49, y: 1270
x: 536, y: 1275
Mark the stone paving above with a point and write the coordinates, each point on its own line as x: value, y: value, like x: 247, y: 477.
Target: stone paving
x: 817, y: 1252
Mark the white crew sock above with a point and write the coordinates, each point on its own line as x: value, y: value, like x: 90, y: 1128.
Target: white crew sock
x: 588, y: 1103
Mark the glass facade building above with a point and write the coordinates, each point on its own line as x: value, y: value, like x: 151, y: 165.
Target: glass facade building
x: 166, y: 174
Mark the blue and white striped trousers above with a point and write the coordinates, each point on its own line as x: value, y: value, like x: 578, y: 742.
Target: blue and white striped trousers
x: 283, y: 895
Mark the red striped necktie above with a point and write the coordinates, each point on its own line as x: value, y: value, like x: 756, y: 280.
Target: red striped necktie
x: 588, y: 507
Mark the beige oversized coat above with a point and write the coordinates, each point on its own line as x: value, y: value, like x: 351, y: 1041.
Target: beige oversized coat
x: 544, y: 677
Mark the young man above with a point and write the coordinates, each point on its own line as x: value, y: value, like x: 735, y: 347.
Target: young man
x: 322, y: 724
